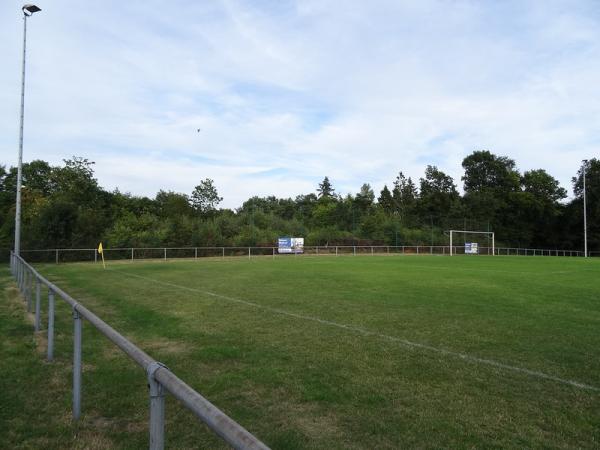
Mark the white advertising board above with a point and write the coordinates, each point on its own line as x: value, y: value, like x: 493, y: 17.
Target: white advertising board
x: 290, y: 245
x: 471, y: 248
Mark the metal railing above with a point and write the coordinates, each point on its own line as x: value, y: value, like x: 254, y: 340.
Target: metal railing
x: 160, y: 378
x: 134, y: 253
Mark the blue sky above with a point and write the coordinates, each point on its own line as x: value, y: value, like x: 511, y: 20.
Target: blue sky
x: 286, y: 92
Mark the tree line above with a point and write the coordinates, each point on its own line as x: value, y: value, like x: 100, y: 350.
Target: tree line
x: 65, y: 207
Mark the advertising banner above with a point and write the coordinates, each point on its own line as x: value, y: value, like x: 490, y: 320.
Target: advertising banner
x: 290, y: 245
x: 471, y: 248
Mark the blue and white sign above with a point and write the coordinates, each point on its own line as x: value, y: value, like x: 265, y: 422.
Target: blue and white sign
x: 290, y: 245
x: 285, y: 245
x: 471, y: 248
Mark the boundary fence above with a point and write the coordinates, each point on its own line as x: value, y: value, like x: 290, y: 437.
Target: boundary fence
x: 59, y: 255
x: 160, y: 378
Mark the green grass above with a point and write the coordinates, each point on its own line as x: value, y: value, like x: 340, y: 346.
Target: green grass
x: 309, y: 352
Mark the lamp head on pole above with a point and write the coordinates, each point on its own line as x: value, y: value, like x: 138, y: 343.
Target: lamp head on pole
x: 28, y: 10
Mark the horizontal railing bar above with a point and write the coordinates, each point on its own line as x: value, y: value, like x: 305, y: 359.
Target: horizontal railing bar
x: 59, y: 249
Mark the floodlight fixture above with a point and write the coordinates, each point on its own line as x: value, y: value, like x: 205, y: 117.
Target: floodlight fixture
x: 28, y: 9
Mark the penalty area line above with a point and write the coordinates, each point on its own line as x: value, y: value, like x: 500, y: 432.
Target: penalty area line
x: 365, y: 332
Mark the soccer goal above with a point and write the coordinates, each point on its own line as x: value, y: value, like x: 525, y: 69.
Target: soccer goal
x: 471, y: 247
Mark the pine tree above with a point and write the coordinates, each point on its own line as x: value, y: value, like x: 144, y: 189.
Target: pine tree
x: 325, y: 189
x: 385, y: 200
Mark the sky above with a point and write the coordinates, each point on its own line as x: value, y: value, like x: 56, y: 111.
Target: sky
x: 287, y: 92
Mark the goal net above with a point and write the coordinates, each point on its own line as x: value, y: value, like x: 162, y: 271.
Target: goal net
x: 472, y: 242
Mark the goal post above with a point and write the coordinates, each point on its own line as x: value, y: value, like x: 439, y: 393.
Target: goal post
x: 465, y: 232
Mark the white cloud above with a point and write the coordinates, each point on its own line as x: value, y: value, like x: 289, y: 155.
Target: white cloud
x: 353, y: 90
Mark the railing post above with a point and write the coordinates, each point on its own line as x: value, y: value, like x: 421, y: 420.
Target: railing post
x: 50, y: 324
x: 371, y: 250
x: 95, y: 255
x: 165, y: 254
x: 30, y: 291
x: 195, y: 252
x: 56, y: 256
x: 157, y: 408
x: 23, y: 279
x: 131, y: 254
x: 37, y: 304
x: 24, y: 283
x: 249, y: 256
x: 336, y: 250
x: 27, y: 289
x: 223, y: 252
x: 354, y: 250
x: 19, y: 275
x: 76, y: 364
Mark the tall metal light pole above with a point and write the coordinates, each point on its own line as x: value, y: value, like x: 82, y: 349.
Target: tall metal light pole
x: 28, y: 10
x: 585, y: 252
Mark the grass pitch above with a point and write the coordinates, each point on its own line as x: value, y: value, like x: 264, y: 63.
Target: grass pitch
x: 323, y: 352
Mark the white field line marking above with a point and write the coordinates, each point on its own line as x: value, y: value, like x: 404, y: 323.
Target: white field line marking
x: 364, y: 332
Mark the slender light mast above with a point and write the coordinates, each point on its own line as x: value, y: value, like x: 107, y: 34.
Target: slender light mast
x: 585, y: 251
x: 28, y: 10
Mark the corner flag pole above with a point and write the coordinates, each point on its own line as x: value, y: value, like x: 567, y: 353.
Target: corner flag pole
x: 101, y: 251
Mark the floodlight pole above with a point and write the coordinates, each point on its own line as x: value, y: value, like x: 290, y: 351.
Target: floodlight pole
x: 585, y: 251
x: 28, y: 10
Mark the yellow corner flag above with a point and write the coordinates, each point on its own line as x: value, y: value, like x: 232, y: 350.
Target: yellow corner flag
x: 101, y: 251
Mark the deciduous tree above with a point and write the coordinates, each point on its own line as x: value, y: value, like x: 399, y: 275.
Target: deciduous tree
x: 205, y: 197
